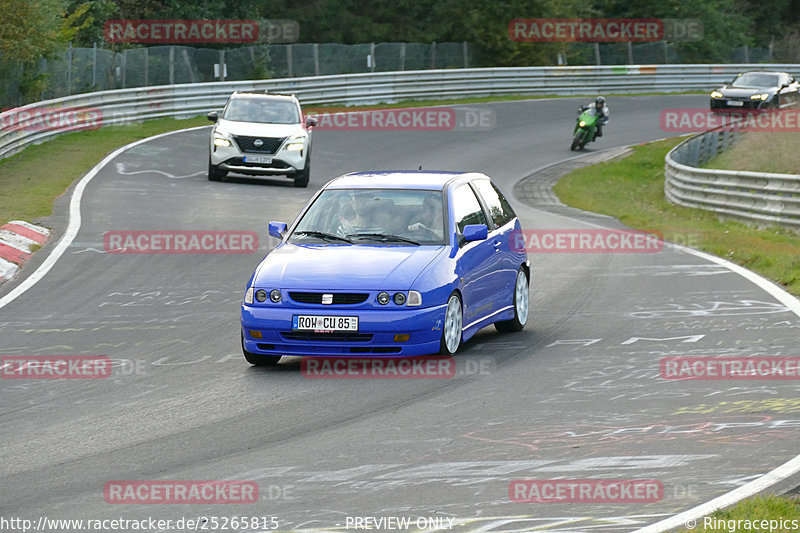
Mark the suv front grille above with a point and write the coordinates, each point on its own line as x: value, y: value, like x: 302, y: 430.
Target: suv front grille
x: 346, y: 298
x: 269, y: 145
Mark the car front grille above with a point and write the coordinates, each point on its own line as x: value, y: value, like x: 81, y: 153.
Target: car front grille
x: 335, y: 336
x: 339, y: 298
x: 269, y: 145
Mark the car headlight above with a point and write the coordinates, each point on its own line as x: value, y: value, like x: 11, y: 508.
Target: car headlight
x: 248, y: 296
x: 296, y: 143
x: 220, y: 140
x: 414, y: 299
x: 716, y: 94
x: 760, y: 96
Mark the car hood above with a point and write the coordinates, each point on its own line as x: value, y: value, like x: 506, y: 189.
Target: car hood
x: 344, y: 267
x: 229, y: 127
x: 744, y: 91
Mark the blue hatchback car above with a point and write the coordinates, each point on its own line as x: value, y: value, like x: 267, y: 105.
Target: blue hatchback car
x: 388, y: 264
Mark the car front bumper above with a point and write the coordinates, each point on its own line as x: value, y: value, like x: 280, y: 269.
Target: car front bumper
x: 375, y: 336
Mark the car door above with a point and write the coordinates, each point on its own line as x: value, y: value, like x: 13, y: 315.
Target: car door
x: 475, y: 259
x: 501, y: 234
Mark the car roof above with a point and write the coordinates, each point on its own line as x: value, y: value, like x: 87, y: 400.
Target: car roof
x: 265, y: 96
x: 401, y: 179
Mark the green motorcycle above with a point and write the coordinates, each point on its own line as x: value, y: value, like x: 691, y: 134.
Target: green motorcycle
x: 585, y: 129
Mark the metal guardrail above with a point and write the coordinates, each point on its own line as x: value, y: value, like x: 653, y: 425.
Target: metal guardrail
x: 129, y: 105
x: 754, y: 196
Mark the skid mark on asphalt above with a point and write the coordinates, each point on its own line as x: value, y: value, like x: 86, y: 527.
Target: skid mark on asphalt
x: 748, y: 429
x: 122, y: 172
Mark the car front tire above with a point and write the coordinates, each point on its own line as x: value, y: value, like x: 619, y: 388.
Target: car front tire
x: 302, y: 177
x: 214, y: 173
x: 521, y: 305
x: 258, y: 359
x: 453, y: 324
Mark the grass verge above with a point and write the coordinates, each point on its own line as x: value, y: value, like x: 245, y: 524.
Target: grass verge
x: 762, y: 152
x: 774, y: 514
x: 632, y: 190
x: 31, y: 180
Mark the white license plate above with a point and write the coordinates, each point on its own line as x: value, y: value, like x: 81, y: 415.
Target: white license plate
x: 258, y: 159
x: 735, y: 103
x: 324, y: 323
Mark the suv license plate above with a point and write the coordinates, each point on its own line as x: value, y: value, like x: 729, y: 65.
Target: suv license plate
x: 258, y: 159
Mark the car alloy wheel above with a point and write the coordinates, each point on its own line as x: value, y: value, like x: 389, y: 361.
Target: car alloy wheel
x: 521, y: 305
x: 451, y: 333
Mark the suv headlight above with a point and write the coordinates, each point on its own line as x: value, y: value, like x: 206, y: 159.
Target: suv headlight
x: 221, y: 140
x: 716, y: 94
x: 296, y: 143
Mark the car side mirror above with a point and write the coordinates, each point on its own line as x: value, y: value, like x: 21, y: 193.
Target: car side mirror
x: 311, y: 122
x: 213, y: 116
x: 277, y: 229
x: 475, y: 232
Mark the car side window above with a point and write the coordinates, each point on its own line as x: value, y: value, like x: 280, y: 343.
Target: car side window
x: 466, y: 208
x: 499, y: 208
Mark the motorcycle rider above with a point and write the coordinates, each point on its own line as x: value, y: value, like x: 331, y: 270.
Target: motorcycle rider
x: 602, y: 114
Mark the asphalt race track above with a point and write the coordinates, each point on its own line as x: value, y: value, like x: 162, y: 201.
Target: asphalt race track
x: 576, y: 395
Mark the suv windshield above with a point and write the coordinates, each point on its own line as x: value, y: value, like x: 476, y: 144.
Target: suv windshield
x: 373, y: 216
x: 261, y: 110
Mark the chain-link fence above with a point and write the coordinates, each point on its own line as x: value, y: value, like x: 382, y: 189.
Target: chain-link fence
x: 80, y: 70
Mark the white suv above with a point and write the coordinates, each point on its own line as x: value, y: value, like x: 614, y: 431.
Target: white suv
x: 261, y: 134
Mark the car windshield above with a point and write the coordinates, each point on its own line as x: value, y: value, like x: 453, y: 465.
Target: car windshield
x: 261, y: 110
x: 756, y: 79
x: 392, y: 217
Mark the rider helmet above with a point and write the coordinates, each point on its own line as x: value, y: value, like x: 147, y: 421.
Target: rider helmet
x: 599, y: 103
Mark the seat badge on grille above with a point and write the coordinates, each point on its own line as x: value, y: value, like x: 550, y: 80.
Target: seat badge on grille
x: 327, y: 299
